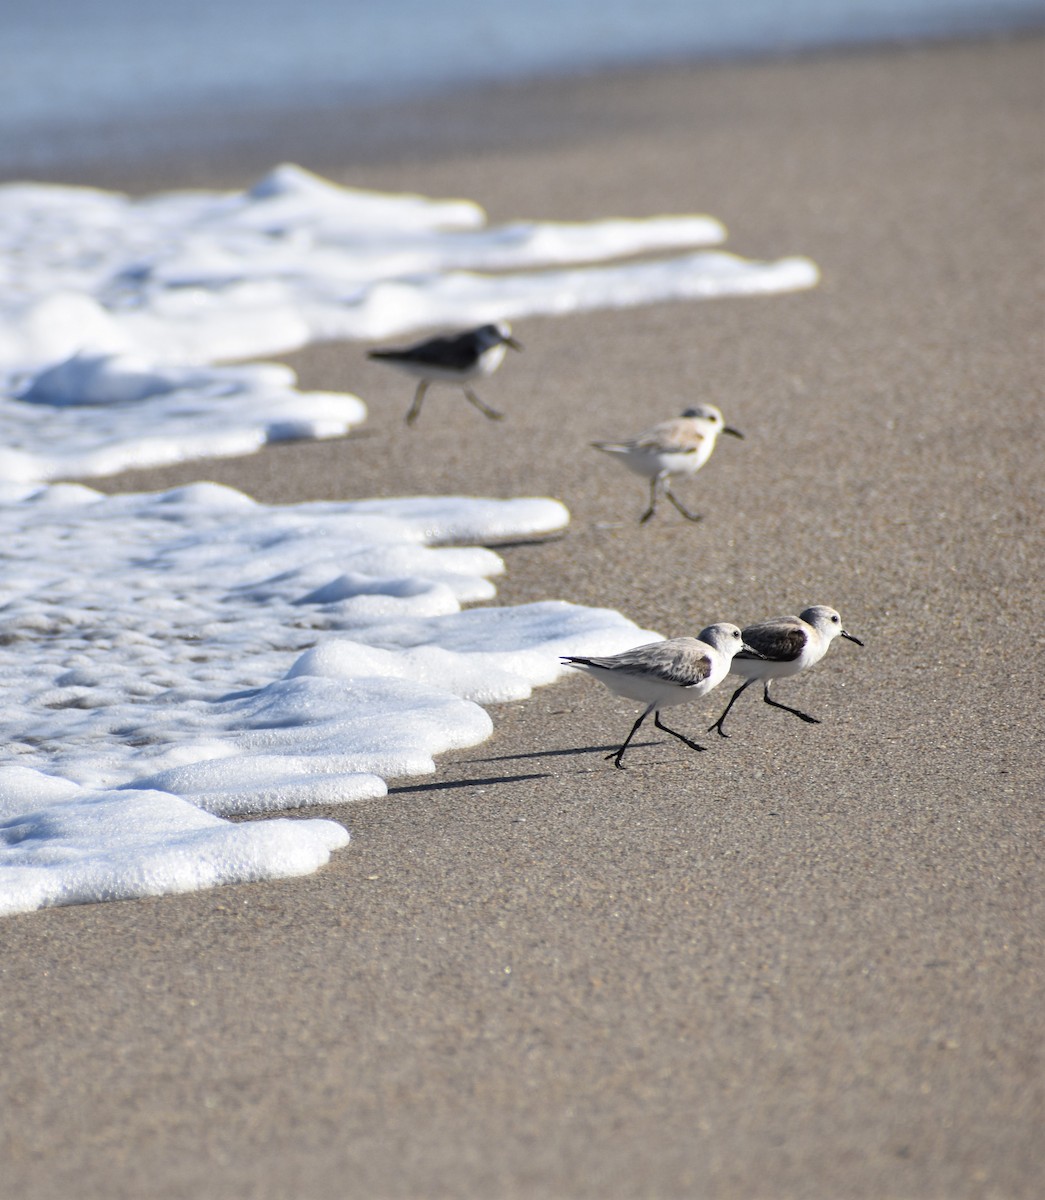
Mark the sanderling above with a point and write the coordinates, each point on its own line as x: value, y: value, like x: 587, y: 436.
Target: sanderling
x: 785, y: 645
x: 455, y: 360
x: 680, y: 446
x: 663, y: 674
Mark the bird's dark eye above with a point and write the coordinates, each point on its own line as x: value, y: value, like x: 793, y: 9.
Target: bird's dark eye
x: 835, y: 619
x: 736, y: 633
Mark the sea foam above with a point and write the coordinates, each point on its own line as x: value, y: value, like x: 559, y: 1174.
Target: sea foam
x: 173, y: 659
x: 114, y: 310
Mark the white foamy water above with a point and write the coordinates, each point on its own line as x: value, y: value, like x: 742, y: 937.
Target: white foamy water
x: 172, y: 659
x: 169, y: 661
x: 113, y: 310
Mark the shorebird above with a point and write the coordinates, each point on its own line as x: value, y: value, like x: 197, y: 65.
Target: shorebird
x: 663, y: 674
x: 680, y: 446
x: 454, y: 359
x: 785, y: 645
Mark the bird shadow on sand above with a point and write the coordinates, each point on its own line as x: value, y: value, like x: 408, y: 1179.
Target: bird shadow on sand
x: 564, y: 753
x: 447, y: 784
x: 489, y: 781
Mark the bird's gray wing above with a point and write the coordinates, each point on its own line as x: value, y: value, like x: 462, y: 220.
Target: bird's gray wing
x: 458, y: 353
x: 677, y: 436
x: 681, y: 661
x: 779, y: 640
x: 669, y: 437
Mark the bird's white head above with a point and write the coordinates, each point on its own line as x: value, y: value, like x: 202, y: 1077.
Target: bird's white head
x: 827, y: 622
x: 723, y: 637
x: 496, y: 335
x: 711, y: 418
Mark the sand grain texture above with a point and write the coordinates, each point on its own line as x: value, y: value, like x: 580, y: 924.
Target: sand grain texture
x: 807, y: 963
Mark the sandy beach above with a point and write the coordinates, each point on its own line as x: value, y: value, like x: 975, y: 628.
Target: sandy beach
x: 808, y: 963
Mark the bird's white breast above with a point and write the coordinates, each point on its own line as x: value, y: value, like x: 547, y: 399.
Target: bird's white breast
x: 491, y: 359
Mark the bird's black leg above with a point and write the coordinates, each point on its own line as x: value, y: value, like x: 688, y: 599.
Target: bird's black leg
x: 776, y: 704
x: 617, y: 755
x: 681, y: 507
x: 415, y: 408
x: 735, y: 697
x: 485, y: 409
x: 674, y: 733
x: 654, y: 494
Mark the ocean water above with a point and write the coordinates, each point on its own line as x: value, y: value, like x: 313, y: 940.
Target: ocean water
x: 101, y: 77
x: 169, y: 661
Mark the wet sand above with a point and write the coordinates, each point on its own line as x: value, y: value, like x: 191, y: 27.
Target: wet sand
x: 807, y: 963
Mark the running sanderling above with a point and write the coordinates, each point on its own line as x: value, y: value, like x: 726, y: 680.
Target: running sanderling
x: 785, y: 645
x: 455, y: 359
x: 663, y: 674
x: 680, y: 446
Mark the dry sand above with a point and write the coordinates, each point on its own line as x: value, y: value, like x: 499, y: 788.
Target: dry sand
x: 805, y: 964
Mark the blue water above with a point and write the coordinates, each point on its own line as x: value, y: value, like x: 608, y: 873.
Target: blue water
x: 69, y: 67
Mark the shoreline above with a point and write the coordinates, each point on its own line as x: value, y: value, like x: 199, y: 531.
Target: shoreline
x: 473, y: 118
x: 805, y: 964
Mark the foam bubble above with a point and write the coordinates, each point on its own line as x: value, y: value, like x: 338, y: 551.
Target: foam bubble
x: 175, y: 658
